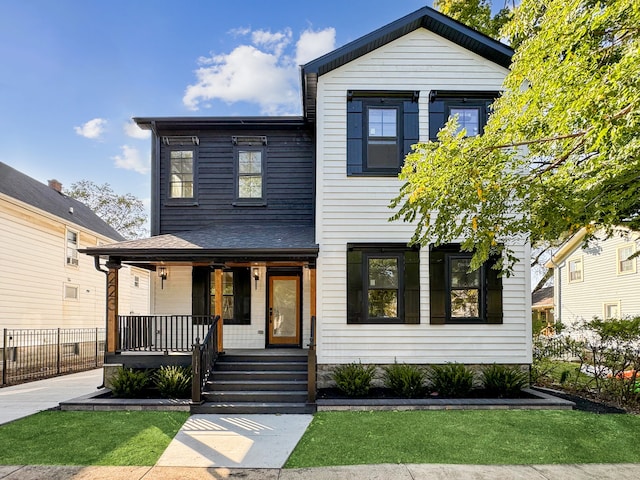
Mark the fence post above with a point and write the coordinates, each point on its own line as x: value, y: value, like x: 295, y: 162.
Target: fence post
x: 4, y: 358
x: 58, y: 354
x: 196, y: 380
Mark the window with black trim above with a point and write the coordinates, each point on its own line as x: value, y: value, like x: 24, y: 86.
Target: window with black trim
x: 458, y: 295
x: 472, y: 109
x: 381, y: 127
x: 181, y: 174
x: 383, y: 283
x: 236, y: 294
x: 250, y: 168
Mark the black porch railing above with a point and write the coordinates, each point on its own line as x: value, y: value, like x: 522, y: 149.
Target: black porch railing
x: 161, y: 333
x: 34, y: 354
x: 203, y: 360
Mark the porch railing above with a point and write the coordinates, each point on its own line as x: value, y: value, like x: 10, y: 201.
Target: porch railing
x: 161, y: 333
x: 204, y: 357
x: 34, y: 354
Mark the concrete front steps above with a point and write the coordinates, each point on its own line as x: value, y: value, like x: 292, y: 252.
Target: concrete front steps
x: 257, y: 381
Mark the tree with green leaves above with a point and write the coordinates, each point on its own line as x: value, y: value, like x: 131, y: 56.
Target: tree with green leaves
x: 476, y: 14
x: 125, y: 213
x: 561, y: 150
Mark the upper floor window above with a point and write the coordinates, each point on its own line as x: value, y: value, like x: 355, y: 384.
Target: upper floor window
x: 136, y: 281
x: 626, y: 264
x: 458, y: 295
x: 72, y: 247
x: 181, y: 179
x: 381, y: 127
x: 471, y: 108
x: 575, y: 270
x: 383, y: 284
x: 250, y: 171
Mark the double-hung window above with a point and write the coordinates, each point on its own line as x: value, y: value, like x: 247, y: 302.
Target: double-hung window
x: 250, y: 173
x: 471, y: 108
x: 626, y: 259
x: 458, y: 295
x: 575, y: 270
x: 181, y: 170
x: 72, y: 248
x: 382, y: 283
x: 381, y: 127
x: 236, y: 294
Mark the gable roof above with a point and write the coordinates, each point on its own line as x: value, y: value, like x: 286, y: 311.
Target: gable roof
x: 17, y: 185
x: 427, y: 18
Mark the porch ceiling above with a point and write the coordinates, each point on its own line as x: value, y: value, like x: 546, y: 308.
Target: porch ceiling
x: 219, y: 242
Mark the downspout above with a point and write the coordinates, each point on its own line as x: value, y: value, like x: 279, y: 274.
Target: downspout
x: 96, y: 264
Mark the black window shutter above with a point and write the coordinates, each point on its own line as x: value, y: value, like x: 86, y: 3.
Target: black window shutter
x: 411, y: 123
x: 354, y: 137
x: 242, y: 296
x: 200, y: 290
x: 354, y: 287
x: 436, y: 119
x: 494, y: 293
x: 412, y: 287
x: 437, y: 287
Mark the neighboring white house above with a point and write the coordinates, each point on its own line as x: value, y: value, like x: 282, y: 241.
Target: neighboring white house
x: 45, y: 282
x: 598, y: 280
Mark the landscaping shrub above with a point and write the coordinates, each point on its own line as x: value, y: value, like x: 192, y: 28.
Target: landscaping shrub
x: 354, y: 379
x: 173, y: 381
x: 404, y: 380
x: 504, y: 381
x: 129, y: 383
x: 451, y: 379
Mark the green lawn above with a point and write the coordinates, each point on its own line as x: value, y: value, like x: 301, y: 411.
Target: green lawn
x: 472, y: 437
x: 89, y: 438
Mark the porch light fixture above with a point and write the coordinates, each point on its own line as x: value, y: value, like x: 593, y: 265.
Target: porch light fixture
x: 162, y: 273
x: 256, y: 276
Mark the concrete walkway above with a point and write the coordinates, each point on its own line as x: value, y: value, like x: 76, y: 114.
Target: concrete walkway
x: 22, y: 400
x: 363, y: 472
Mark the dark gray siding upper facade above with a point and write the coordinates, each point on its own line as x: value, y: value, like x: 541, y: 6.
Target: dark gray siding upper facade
x: 288, y: 174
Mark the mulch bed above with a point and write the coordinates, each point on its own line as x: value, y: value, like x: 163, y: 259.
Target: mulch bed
x: 385, y: 393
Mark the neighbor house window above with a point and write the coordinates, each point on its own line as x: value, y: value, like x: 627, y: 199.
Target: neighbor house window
x: 72, y: 247
x: 382, y: 284
x: 472, y: 109
x: 181, y: 174
x: 70, y: 292
x: 136, y: 281
x: 381, y: 127
x: 458, y: 295
x: 250, y: 174
x: 611, y: 310
x: 575, y: 270
x: 626, y: 264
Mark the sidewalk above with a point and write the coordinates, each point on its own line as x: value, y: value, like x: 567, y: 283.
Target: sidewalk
x: 361, y: 472
x: 22, y: 400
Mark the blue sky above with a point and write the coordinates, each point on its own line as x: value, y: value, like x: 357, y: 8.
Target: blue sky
x: 74, y: 72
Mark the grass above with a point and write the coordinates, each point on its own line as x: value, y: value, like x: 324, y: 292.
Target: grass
x: 89, y: 438
x: 467, y: 437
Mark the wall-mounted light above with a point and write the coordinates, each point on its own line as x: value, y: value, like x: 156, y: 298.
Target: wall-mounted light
x: 162, y: 273
x: 256, y: 276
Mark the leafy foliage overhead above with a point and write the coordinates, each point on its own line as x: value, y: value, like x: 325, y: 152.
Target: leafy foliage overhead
x: 475, y: 14
x: 125, y: 213
x: 561, y: 149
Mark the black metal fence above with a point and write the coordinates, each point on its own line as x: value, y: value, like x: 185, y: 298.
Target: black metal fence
x: 33, y: 354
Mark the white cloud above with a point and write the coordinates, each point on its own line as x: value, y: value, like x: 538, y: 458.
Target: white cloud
x: 265, y: 72
x: 131, y: 159
x: 131, y: 129
x: 92, y: 129
x: 312, y: 45
x: 240, y: 31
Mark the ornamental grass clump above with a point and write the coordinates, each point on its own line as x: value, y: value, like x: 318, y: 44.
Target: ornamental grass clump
x: 451, y: 380
x: 129, y: 383
x: 503, y: 381
x: 354, y: 379
x: 405, y: 380
x: 173, y: 381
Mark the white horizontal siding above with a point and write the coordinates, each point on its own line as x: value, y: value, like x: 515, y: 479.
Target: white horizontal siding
x: 601, y: 283
x: 355, y: 209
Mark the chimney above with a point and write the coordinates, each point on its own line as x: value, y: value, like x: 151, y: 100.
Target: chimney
x: 56, y: 185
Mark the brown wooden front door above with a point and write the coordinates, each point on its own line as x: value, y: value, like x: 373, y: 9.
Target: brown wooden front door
x: 284, y: 310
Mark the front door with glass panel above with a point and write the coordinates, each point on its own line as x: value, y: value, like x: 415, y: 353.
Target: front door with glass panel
x: 283, y: 315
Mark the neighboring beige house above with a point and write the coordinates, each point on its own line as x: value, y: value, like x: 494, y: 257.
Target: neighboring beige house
x: 599, y: 280
x: 542, y: 309
x: 45, y: 282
